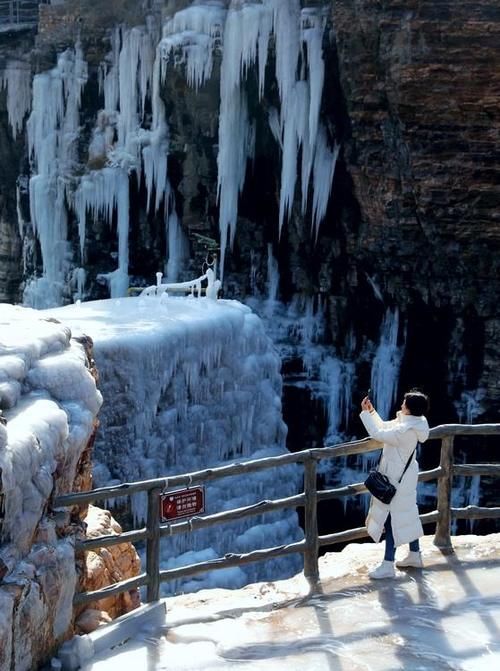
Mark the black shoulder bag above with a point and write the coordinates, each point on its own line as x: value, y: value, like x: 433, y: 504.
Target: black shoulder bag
x: 379, y: 484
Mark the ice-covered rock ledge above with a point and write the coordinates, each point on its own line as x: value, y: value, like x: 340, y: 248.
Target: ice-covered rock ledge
x: 189, y: 383
x: 49, y: 403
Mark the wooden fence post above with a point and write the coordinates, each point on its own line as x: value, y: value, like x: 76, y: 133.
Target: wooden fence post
x: 311, y: 571
x: 153, y: 545
x: 442, y: 537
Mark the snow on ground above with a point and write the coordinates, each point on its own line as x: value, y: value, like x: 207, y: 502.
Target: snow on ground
x: 446, y: 616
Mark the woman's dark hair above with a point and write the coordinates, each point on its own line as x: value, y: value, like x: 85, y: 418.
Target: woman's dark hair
x: 416, y: 402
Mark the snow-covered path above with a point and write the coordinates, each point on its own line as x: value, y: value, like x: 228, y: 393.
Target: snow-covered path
x: 444, y: 617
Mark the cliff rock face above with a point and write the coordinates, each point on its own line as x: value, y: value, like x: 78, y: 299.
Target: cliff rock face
x: 421, y: 87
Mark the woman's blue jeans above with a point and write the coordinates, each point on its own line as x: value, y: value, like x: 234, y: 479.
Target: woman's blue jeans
x: 390, y: 548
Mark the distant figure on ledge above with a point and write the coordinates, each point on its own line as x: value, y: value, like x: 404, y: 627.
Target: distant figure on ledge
x: 400, y: 517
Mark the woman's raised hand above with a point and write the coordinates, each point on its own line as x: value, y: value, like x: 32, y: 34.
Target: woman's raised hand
x: 367, y: 405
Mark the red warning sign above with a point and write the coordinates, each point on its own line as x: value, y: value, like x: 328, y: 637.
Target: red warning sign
x: 182, y: 503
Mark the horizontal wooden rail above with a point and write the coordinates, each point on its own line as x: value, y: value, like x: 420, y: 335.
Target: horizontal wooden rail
x: 255, y: 465
x: 433, y: 474
x: 343, y: 536
x: 475, y: 513
x: 198, y: 522
x: 111, y: 590
x: 359, y: 487
x: 112, y: 539
x: 361, y: 532
x: 444, y: 430
x: 469, y: 470
x: 210, y: 474
x: 230, y: 560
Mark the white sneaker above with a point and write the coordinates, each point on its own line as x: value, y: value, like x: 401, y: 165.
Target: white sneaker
x: 413, y: 559
x: 385, y: 570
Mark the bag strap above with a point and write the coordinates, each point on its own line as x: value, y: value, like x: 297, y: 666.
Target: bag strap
x: 408, y: 463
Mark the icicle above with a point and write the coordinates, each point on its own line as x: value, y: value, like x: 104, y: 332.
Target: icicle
x: 243, y: 31
x: 286, y: 15
x: 274, y: 125
x: 324, y: 171
x: 338, y: 377
x: 236, y: 137
x: 294, y: 130
x: 100, y: 193
x: 155, y: 151
x: 22, y: 185
x: 273, y: 279
x: 128, y: 120
x: 110, y: 80
x: 386, y: 364
x: 16, y: 78
x: 177, y: 247
x: 313, y: 23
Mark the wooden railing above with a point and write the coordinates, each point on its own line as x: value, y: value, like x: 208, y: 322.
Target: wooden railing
x: 309, y: 499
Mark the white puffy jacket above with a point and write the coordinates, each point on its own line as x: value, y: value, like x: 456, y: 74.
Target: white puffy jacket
x: 400, y: 437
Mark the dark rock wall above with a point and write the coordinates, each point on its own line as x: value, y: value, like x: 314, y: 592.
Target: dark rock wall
x: 421, y: 85
x: 12, y: 165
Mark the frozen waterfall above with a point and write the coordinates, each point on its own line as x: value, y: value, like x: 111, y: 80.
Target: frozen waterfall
x: 245, y: 32
x: 52, y: 136
x: 275, y: 38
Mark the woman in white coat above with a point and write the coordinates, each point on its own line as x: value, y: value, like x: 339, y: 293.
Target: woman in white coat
x: 400, y: 517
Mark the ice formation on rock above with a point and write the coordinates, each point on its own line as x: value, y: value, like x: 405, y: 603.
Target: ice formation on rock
x: 16, y: 78
x: 189, y: 383
x: 52, y: 137
x: 49, y: 399
x: 125, y: 141
x: 246, y: 30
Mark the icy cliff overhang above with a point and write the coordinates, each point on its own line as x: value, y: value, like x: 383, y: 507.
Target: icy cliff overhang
x: 167, y: 361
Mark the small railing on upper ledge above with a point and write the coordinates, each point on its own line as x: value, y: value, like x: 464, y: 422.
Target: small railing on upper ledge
x: 308, y: 499
x: 19, y: 13
x: 205, y: 285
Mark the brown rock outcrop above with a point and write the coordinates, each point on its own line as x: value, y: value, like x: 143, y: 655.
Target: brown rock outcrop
x: 105, y: 566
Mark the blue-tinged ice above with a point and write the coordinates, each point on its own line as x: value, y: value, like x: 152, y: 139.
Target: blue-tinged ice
x: 16, y: 78
x: 52, y: 139
x: 386, y: 364
x: 178, y: 247
x: 246, y: 31
x: 325, y: 161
